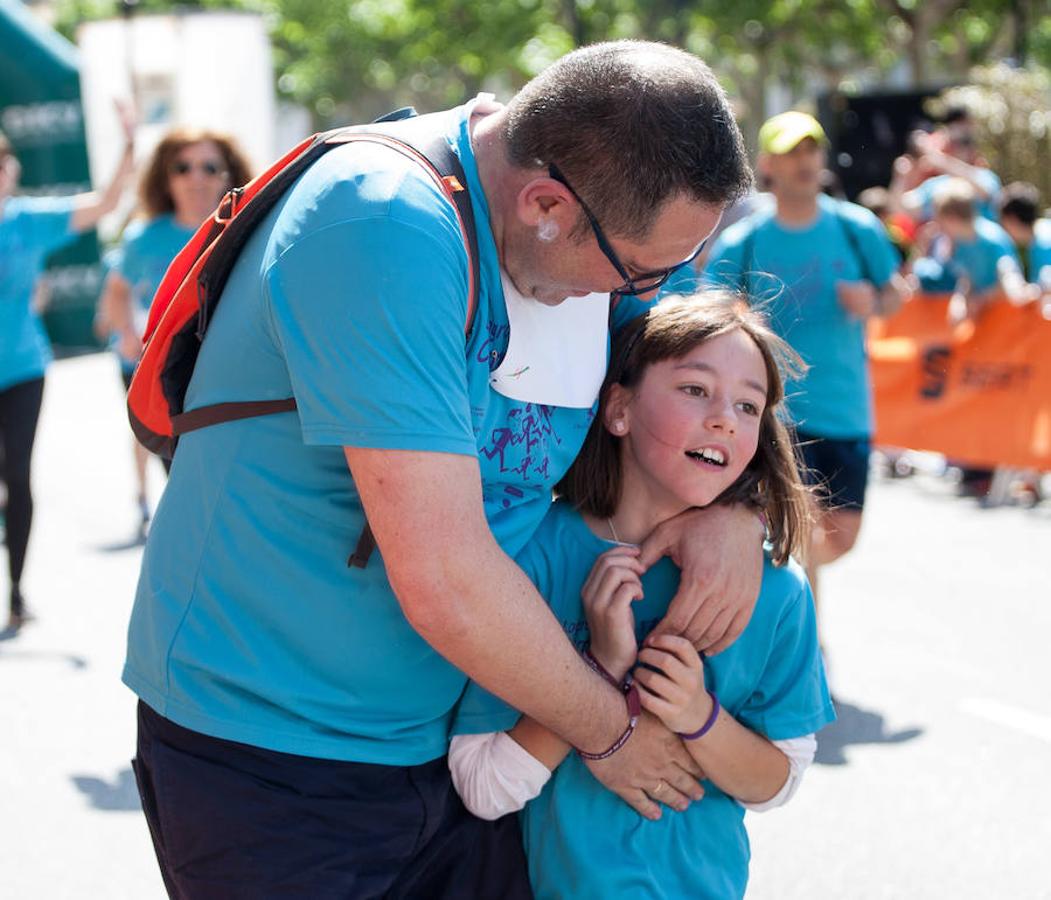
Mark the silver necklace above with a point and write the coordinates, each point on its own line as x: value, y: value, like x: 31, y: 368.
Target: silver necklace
x: 612, y: 530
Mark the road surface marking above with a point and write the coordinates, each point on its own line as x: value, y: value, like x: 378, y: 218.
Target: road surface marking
x: 1031, y: 723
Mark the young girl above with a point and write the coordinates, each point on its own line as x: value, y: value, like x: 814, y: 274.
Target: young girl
x: 688, y: 416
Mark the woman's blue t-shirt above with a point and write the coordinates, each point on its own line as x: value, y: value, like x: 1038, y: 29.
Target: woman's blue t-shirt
x: 31, y: 229
x: 141, y: 260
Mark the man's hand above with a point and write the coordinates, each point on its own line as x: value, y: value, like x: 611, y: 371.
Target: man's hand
x: 720, y: 552
x: 859, y: 298
x: 652, y: 767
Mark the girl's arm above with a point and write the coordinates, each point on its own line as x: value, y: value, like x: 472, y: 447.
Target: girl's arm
x: 495, y: 775
x: 800, y: 752
x: 740, y: 762
x: 499, y: 772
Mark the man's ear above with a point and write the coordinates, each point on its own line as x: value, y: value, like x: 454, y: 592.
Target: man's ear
x: 542, y: 198
x: 617, y: 415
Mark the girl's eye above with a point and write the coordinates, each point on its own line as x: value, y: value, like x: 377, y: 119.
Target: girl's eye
x: 695, y: 390
x: 749, y: 408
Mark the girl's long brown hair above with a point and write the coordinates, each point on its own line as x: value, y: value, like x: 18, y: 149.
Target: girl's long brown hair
x: 155, y: 198
x: 771, y: 482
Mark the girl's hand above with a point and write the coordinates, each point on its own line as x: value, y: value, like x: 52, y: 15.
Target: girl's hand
x: 607, y: 594
x: 675, y: 693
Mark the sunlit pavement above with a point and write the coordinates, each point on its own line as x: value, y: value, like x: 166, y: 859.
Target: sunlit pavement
x: 933, y: 784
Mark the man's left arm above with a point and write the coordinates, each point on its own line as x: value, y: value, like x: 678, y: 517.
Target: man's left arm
x: 720, y: 552
x: 884, y: 294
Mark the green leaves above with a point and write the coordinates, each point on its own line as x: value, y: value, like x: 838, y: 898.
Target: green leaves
x: 353, y: 59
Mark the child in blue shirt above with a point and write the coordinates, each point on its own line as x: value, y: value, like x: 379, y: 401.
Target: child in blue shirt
x: 688, y: 416
x: 969, y: 256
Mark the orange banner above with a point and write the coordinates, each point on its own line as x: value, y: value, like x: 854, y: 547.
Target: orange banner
x: 979, y: 392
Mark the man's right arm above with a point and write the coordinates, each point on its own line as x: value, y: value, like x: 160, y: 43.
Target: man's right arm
x: 472, y: 603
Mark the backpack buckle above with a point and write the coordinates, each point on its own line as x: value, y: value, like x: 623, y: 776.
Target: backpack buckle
x: 227, y: 207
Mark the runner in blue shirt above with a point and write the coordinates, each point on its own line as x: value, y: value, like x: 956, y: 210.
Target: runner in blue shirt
x: 295, y: 710
x: 821, y: 267
x: 182, y: 183
x: 689, y: 416
x: 30, y: 230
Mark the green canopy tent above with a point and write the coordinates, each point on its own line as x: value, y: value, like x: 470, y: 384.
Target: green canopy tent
x: 42, y: 116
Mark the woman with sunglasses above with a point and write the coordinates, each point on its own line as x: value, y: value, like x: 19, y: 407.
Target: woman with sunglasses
x: 186, y: 176
x: 31, y: 229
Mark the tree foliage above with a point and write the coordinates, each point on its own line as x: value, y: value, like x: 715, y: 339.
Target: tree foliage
x: 1013, y: 110
x: 350, y: 59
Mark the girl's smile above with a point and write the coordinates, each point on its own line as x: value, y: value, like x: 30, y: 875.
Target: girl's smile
x: 691, y: 425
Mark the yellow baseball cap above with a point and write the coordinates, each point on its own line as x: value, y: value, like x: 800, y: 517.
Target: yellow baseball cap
x: 783, y: 132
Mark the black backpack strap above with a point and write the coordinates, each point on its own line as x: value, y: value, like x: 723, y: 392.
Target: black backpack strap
x: 855, y: 246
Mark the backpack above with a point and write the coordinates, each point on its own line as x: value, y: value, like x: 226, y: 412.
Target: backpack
x: 187, y: 296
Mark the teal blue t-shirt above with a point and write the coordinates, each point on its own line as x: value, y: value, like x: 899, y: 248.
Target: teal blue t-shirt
x: 987, y: 178
x: 1040, y: 249
x: 31, y: 229
x: 791, y: 273
x: 143, y: 257
x: 975, y: 260
x: 248, y: 623
x: 770, y: 679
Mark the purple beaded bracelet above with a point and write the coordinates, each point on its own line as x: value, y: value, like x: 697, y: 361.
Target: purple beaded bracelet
x: 631, y: 697
x: 707, y: 726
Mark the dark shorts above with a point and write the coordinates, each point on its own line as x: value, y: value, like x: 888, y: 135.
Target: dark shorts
x: 838, y: 468
x: 233, y: 821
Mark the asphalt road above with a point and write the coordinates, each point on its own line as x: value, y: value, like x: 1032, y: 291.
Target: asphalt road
x: 934, y: 783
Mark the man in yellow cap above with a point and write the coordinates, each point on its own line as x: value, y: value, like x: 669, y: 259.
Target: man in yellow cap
x: 821, y: 266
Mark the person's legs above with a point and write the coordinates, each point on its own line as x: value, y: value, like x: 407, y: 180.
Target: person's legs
x: 838, y: 470
x: 19, y: 414
x: 233, y: 821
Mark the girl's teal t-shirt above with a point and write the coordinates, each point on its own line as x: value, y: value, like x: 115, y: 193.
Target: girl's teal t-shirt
x: 583, y: 841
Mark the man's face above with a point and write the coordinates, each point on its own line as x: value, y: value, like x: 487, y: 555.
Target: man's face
x: 573, y: 264
x: 797, y: 173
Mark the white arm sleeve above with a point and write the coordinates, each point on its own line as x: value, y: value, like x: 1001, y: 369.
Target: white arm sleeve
x: 493, y: 774
x: 800, y: 752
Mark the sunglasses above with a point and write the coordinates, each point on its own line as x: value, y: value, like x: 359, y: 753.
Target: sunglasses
x: 208, y: 169
x: 633, y: 285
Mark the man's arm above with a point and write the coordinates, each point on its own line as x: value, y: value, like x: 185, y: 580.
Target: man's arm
x: 470, y: 602
x: 720, y: 552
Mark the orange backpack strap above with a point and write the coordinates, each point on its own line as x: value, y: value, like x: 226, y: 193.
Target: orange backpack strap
x: 419, y: 138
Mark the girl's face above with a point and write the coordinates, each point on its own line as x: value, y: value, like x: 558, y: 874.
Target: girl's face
x: 691, y: 426
x: 197, y: 180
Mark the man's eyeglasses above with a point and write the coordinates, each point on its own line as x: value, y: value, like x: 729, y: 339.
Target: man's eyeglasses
x: 208, y: 169
x: 633, y: 284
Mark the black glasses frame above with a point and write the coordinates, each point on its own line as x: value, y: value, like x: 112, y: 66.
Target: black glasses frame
x: 633, y: 286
